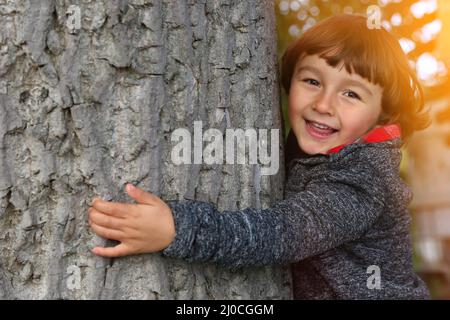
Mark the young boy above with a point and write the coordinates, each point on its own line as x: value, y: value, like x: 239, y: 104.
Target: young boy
x: 351, y: 94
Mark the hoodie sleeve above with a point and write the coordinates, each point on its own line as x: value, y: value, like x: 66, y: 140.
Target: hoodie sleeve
x: 326, y: 214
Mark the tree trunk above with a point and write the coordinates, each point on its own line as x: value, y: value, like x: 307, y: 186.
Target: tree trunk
x: 90, y: 92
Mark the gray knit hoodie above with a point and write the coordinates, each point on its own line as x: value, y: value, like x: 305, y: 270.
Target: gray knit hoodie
x: 343, y: 213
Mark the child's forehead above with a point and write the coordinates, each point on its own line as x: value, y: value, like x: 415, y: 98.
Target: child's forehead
x: 317, y: 63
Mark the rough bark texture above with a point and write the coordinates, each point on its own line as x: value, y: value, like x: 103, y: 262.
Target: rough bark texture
x: 84, y: 110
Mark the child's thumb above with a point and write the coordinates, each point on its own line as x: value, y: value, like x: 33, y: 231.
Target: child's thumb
x: 140, y: 195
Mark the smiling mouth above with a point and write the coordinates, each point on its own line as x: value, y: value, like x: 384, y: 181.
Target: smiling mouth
x: 319, y: 130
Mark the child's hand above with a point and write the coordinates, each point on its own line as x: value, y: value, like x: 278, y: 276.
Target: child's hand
x: 141, y: 228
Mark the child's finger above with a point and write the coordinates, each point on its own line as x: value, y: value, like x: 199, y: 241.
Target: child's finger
x: 112, y: 208
x: 105, y: 220
x: 117, y: 251
x: 107, y: 233
x: 141, y: 196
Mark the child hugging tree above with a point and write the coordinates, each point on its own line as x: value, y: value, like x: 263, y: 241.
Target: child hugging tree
x: 353, y: 102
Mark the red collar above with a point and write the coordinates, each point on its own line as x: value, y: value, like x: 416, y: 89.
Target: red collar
x: 379, y: 134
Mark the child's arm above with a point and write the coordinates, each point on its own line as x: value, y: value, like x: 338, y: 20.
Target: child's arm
x: 323, y: 216
x: 318, y: 219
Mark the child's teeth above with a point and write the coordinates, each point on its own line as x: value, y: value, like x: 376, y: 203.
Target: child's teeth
x: 320, y: 126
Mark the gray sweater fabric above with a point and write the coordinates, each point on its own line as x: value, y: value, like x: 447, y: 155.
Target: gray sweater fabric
x: 344, y: 215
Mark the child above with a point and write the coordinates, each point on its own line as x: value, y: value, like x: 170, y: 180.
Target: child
x: 344, y: 217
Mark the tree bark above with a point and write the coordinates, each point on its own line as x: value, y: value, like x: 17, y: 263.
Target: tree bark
x: 88, y: 105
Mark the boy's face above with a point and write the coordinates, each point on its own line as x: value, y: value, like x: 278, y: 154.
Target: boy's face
x: 329, y: 107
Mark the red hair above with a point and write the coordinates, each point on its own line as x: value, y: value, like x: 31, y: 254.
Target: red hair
x: 375, y: 55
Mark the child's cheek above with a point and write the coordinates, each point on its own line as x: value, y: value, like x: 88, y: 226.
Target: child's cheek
x: 356, y: 128
x: 291, y: 115
x: 294, y: 104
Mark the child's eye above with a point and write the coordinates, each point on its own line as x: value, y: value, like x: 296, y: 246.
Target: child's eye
x: 353, y: 95
x: 311, y: 82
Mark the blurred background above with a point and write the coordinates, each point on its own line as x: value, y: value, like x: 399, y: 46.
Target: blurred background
x: 423, y: 29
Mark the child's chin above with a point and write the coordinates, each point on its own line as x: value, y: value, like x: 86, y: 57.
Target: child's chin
x: 312, y: 150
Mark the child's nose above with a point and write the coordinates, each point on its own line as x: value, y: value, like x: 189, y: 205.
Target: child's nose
x: 324, y: 104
